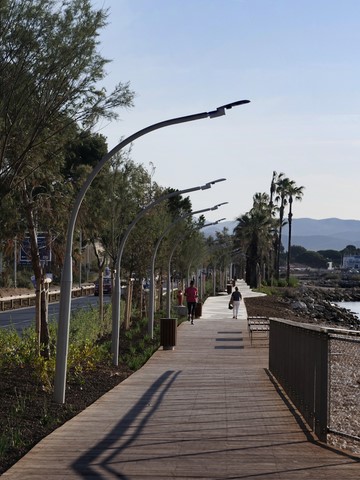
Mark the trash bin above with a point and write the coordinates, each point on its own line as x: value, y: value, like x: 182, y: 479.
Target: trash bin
x: 229, y: 288
x: 168, y: 329
x: 198, y: 310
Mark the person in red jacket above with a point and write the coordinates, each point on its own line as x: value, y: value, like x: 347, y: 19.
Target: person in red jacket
x: 191, y: 294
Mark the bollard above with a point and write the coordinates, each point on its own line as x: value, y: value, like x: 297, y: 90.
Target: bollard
x: 168, y: 330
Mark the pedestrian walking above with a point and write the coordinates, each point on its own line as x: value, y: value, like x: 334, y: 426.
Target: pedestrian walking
x: 235, y: 299
x: 191, y: 294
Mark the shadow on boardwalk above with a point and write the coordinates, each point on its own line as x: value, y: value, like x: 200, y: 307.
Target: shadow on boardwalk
x: 209, y: 409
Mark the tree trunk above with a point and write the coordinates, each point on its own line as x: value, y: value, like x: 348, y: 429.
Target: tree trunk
x: 44, y: 332
x: 142, y: 306
x: 101, y: 294
x: 41, y: 310
x: 160, y: 294
x: 101, y: 266
x: 127, y: 314
x: 277, y: 272
x: 289, y: 248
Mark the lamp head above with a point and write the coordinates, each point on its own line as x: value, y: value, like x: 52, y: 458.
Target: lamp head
x: 235, y: 104
x: 209, y: 184
x: 221, y: 110
x: 219, y: 205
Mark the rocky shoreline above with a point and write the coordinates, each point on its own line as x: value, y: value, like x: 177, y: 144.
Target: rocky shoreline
x: 320, y: 304
x: 308, y: 304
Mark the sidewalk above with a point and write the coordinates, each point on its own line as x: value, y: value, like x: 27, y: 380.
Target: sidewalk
x: 207, y: 410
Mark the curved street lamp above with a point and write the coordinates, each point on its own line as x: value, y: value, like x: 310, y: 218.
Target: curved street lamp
x: 67, y: 276
x: 116, y: 299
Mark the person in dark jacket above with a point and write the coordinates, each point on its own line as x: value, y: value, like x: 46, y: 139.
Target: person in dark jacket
x: 235, y: 299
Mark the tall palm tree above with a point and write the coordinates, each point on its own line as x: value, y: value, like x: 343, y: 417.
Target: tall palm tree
x: 295, y: 193
x: 276, y: 177
x: 261, y: 201
x: 273, y: 254
x: 253, y: 236
x: 282, y: 187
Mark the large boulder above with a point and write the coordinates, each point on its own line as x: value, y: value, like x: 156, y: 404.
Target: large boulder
x: 299, y: 305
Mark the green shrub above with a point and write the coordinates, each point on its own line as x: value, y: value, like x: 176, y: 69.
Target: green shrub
x: 293, y: 282
x: 89, y: 345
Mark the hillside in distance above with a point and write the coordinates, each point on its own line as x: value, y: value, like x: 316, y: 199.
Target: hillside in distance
x: 324, y: 234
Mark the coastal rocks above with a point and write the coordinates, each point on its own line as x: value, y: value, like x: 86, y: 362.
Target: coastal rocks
x: 298, y: 305
x: 319, y: 305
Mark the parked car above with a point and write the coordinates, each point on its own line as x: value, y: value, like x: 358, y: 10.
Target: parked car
x: 107, y: 286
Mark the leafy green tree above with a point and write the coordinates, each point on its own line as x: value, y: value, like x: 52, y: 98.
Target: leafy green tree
x: 83, y: 151
x: 12, y: 227
x: 296, y: 251
x: 139, y: 246
x: 178, y: 219
x: 332, y: 256
x: 178, y: 205
x: 350, y: 250
x: 50, y: 74
x: 312, y: 259
x: 113, y: 202
x: 193, y: 255
x: 219, y: 256
x: 50, y: 70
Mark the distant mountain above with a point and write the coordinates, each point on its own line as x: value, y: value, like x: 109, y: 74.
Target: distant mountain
x: 325, y: 234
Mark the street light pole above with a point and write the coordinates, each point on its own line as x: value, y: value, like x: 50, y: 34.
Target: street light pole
x: 67, y: 274
x: 116, y: 299
x: 152, y: 267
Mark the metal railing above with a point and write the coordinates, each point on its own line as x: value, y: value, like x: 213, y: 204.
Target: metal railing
x: 318, y: 368
x: 18, y: 301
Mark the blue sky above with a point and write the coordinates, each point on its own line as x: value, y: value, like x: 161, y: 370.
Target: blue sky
x: 296, y: 60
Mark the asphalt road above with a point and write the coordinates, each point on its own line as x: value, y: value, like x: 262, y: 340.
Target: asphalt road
x: 21, y: 318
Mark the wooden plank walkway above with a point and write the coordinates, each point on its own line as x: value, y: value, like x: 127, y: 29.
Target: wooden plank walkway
x: 207, y: 410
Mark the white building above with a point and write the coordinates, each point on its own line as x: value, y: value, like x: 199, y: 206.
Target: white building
x: 351, y: 261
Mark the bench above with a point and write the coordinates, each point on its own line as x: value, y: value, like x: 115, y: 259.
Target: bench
x: 258, y: 325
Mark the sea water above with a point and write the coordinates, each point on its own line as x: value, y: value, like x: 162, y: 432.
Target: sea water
x: 354, y: 307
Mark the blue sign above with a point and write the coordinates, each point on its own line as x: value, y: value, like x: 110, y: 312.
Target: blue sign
x: 44, y: 250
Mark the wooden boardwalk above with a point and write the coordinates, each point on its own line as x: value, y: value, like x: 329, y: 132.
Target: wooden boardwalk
x: 207, y: 410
